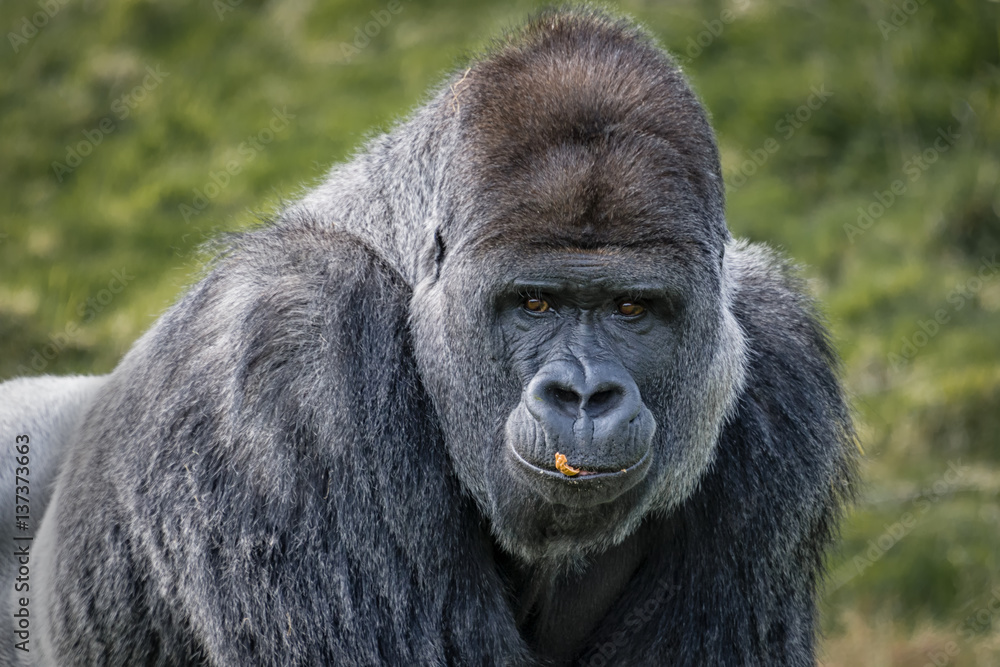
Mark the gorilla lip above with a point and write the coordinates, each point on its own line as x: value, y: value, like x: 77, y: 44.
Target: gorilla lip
x: 563, y: 466
x: 625, y: 478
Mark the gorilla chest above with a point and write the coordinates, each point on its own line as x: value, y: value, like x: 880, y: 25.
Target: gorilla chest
x: 557, y: 609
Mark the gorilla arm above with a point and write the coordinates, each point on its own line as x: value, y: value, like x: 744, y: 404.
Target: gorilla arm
x: 264, y: 483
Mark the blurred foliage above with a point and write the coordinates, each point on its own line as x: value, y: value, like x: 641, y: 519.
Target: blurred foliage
x: 821, y: 108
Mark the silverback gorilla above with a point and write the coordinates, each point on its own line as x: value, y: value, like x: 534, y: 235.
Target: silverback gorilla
x: 501, y: 391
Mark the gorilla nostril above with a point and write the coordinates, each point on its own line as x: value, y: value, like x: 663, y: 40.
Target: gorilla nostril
x: 566, y: 398
x: 601, y: 398
x: 603, y: 401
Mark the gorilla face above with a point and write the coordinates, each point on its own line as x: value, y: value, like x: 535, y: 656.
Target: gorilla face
x: 573, y: 330
x: 622, y: 359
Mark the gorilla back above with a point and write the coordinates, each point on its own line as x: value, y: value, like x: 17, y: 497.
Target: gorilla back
x: 501, y: 390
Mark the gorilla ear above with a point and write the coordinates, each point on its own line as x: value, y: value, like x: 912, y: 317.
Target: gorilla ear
x: 439, y: 251
x: 432, y: 256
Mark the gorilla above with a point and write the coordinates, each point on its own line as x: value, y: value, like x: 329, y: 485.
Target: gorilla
x: 502, y: 390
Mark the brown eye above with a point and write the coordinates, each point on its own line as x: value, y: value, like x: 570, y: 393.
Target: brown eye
x: 536, y: 305
x: 630, y: 309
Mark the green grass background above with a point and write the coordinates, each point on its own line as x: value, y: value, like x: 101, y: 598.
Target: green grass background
x: 920, y: 563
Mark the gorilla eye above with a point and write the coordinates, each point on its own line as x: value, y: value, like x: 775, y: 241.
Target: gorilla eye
x: 536, y: 305
x: 630, y: 309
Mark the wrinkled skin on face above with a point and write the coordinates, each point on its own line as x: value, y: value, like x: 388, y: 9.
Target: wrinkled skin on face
x: 623, y: 360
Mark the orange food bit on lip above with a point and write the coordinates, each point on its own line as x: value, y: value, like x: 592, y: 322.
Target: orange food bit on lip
x: 564, y: 467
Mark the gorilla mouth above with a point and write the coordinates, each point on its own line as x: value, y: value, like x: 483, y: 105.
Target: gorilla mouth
x: 588, y: 475
x: 607, y: 459
x: 586, y: 489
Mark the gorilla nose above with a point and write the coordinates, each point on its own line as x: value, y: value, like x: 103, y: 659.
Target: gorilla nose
x: 576, y: 401
x: 563, y: 393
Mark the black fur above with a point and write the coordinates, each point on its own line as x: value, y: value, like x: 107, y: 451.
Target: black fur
x: 305, y: 460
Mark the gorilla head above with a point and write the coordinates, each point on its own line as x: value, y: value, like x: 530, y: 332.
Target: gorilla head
x: 576, y: 301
